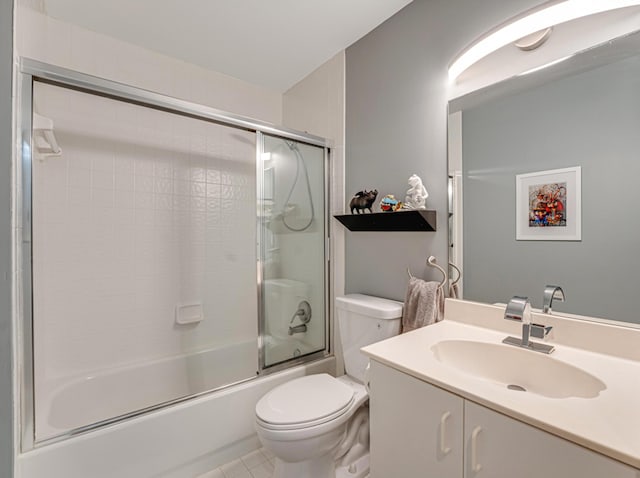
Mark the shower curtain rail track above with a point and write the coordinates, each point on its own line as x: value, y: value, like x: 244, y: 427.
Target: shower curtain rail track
x: 93, y: 84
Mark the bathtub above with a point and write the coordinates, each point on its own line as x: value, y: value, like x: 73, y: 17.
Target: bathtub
x: 278, y: 350
x: 178, y: 441
x: 83, y: 401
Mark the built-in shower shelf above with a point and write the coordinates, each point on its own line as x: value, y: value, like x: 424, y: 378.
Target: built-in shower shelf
x: 414, y: 220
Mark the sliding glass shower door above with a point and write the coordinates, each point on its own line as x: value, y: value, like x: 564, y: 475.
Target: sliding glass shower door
x: 292, y: 242
x: 143, y: 259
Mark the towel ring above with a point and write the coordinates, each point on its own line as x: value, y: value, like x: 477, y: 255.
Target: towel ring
x: 455, y: 268
x: 431, y: 261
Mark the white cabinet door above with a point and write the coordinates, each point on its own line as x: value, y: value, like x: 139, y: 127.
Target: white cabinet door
x: 416, y: 428
x: 497, y: 446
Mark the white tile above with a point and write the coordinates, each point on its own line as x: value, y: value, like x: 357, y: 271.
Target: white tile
x: 263, y: 470
x: 198, y: 204
x: 235, y: 469
x: 181, y: 188
x: 83, y: 50
x: 217, y: 473
x: 32, y: 32
x: 164, y: 169
x: 267, y: 453
x: 198, y: 189
x: 254, y: 459
x: 144, y: 200
x: 213, y: 176
x: 58, y: 45
x: 102, y: 179
x: 124, y: 181
x: 102, y: 198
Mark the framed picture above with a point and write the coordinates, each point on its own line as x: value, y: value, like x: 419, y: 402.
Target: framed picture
x: 548, y: 205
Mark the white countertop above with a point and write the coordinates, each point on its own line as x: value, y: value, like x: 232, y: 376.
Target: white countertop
x: 608, y: 423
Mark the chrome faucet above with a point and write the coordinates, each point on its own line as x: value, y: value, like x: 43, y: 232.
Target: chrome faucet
x: 551, y: 292
x: 304, y: 314
x: 519, y: 309
x: 297, y: 329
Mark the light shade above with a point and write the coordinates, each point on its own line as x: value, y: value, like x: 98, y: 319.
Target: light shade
x: 553, y: 14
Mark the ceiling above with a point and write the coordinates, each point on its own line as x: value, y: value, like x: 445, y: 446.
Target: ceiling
x: 271, y: 43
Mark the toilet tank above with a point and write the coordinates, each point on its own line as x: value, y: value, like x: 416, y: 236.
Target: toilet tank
x: 364, y: 320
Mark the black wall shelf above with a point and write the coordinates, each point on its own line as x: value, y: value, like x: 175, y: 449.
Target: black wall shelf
x: 414, y: 220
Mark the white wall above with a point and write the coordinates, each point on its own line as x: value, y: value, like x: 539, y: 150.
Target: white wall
x: 7, y: 373
x: 49, y: 40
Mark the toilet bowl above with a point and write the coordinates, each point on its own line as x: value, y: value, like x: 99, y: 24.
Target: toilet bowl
x: 305, y: 421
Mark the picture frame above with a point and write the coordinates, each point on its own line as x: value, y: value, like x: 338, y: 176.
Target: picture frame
x: 548, y: 205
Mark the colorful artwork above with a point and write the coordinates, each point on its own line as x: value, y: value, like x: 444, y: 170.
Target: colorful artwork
x: 547, y: 205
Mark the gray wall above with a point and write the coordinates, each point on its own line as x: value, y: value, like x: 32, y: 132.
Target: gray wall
x: 589, y: 120
x: 6, y: 333
x: 396, y: 123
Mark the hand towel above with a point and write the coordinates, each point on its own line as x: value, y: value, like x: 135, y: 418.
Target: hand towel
x: 423, y: 304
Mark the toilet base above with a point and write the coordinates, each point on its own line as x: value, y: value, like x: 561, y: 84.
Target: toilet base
x: 321, y: 467
x: 358, y: 469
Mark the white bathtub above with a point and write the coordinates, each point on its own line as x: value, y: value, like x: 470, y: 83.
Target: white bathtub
x: 77, y: 403
x: 178, y: 441
x: 278, y: 350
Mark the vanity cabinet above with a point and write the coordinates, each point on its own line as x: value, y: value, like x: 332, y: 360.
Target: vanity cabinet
x: 416, y: 428
x: 497, y: 446
x: 419, y: 430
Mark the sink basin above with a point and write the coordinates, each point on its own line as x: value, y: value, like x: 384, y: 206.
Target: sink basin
x: 518, y: 369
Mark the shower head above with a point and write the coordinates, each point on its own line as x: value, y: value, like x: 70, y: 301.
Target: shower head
x: 292, y: 145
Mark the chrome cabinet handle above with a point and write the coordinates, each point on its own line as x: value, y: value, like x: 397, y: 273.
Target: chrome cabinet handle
x: 475, y: 466
x: 444, y: 449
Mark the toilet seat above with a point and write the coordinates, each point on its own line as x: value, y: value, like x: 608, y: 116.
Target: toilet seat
x: 304, y: 402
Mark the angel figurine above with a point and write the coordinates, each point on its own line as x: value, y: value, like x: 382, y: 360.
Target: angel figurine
x: 416, y: 195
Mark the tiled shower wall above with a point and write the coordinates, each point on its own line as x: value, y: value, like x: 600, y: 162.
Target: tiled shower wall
x: 144, y: 211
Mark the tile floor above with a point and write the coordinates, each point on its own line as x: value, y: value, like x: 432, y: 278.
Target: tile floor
x: 257, y: 464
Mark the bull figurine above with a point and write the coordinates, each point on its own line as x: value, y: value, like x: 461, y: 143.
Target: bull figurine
x: 363, y: 200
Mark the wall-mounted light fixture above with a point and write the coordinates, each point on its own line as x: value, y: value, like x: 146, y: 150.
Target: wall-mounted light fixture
x: 541, y: 18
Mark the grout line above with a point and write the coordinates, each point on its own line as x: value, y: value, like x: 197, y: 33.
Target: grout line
x: 262, y: 466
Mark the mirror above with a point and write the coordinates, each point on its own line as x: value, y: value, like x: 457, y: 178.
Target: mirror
x: 582, y: 112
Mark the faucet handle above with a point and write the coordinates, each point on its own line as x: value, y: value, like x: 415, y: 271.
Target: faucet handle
x: 539, y: 331
x: 518, y: 309
x: 551, y: 292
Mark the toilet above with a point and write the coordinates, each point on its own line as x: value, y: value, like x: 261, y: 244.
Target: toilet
x: 310, y: 421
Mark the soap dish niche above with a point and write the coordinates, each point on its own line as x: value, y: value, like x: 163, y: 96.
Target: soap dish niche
x: 189, y: 313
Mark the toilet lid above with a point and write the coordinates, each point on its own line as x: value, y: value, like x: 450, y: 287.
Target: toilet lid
x: 305, y: 401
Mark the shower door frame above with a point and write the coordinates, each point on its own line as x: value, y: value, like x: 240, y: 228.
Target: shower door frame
x: 31, y: 71
x: 268, y: 369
